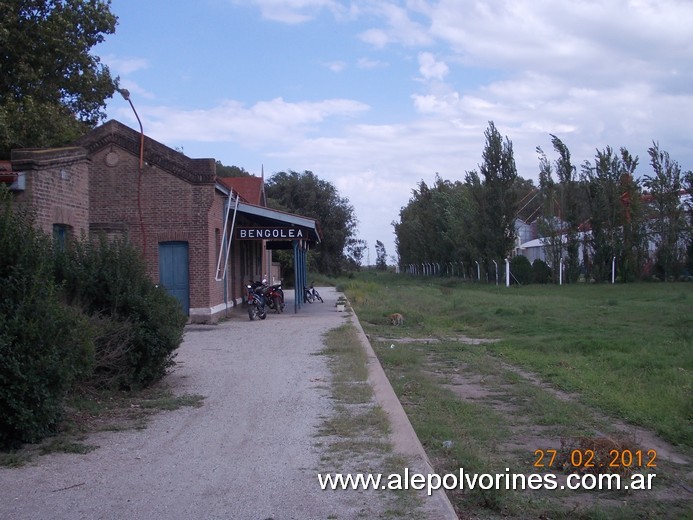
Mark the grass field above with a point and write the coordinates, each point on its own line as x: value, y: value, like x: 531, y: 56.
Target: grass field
x: 567, y: 365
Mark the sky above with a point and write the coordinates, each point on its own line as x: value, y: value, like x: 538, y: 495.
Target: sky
x: 375, y: 96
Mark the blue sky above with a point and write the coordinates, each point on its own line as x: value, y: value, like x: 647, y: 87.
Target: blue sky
x: 377, y: 95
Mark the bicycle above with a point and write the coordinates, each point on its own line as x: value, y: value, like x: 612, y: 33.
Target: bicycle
x: 311, y: 294
x: 316, y: 294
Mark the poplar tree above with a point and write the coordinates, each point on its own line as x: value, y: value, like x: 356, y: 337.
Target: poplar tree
x: 499, y: 204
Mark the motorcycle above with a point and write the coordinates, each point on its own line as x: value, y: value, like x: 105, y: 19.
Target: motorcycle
x: 275, y: 297
x: 256, y: 301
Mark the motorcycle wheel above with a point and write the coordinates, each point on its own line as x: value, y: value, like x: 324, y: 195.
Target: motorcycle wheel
x: 309, y: 298
x: 278, y: 307
x: 252, y: 312
x: 262, y: 314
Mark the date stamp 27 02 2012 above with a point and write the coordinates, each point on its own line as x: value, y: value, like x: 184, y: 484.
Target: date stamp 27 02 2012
x: 585, y: 459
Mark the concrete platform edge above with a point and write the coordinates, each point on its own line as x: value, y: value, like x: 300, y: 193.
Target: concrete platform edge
x: 404, y: 438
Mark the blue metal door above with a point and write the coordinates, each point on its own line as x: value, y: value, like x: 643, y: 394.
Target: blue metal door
x: 173, y: 271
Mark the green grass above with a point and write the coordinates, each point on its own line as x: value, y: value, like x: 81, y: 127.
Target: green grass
x: 567, y: 362
x: 626, y: 349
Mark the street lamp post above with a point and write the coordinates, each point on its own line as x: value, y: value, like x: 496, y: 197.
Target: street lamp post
x: 126, y: 96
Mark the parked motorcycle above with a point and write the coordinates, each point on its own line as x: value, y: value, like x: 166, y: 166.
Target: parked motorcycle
x: 256, y: 301
x: 274, y: 295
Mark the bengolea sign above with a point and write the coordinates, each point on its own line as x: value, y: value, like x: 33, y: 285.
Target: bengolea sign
x: 269, y: 233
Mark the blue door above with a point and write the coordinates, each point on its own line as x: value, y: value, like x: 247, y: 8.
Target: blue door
x: 173, y: 271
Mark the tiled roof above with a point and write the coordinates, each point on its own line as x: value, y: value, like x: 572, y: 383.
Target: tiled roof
x: 251, y: 188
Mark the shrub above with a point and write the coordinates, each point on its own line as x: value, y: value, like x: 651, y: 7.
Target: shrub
x: 44, y: 345
x: 521, y: 270
x: 542, y: 272
x: 139, y: 326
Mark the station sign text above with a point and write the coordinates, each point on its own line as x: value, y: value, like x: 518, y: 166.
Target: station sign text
x: 269, y: 233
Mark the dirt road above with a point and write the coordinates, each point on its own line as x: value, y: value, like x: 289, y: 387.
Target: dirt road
x: 248, y: 453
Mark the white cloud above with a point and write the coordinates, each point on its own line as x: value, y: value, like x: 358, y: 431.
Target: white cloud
x: 401, y: 29
x: 367, y: 63
x: 336, y: 66
x: 430, y: 68
x: 297, y: 11
x: 274, y: 122
x: 118, y: 65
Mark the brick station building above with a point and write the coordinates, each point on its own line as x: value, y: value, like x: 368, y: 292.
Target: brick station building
x: 187, y: 221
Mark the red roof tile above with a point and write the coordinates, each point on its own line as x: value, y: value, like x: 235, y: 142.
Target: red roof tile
x: 251, y: 189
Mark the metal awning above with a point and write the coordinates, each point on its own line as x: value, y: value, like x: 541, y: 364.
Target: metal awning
x: 278, y: 230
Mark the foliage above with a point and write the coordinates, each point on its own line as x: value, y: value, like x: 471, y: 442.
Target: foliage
x: 423, y: 234
x: 542, y: 272
x: 451, y: 222
x: 44, y: 345
x: 605, y: 212
x: 355, y: 248
x: 231, y: 171
x: 669, y: 214
x: 109, y: 280
x: 306, y: 194
x: 606, y: 181
x: 51, y: 88
x: 560, y: 218
x: 499, y: 200
x: 380, y: 256
x: 521, y: 270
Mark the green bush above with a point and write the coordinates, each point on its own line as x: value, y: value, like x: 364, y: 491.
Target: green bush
x: 139, y: 326
x: 521, y: 270
x: 542, y: 272
x: 45, y: 346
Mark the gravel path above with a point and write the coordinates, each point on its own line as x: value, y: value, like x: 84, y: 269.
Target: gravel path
x: 249, y: 452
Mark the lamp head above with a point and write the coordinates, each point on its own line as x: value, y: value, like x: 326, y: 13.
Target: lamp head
x: 125, y: 93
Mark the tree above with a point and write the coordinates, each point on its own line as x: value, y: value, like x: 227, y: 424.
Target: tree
x: 306, y: 194
x: 669, y: 218
x: 566, y: 173
x: 550, y: 224
x: 356, y: 248
x: 423, y: 233
x: 499, y: 206
x: 231, y: 171
x: 607, y: 181
x: 51, y: 88
x: 560, y: 219
x: 688, y: 183
x: 380, y: 256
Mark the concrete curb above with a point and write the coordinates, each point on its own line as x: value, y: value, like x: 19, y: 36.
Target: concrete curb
x: 404, y: 438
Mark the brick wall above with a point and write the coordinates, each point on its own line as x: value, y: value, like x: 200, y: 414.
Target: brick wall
x: 172, y: 198
x: 57, y: 187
